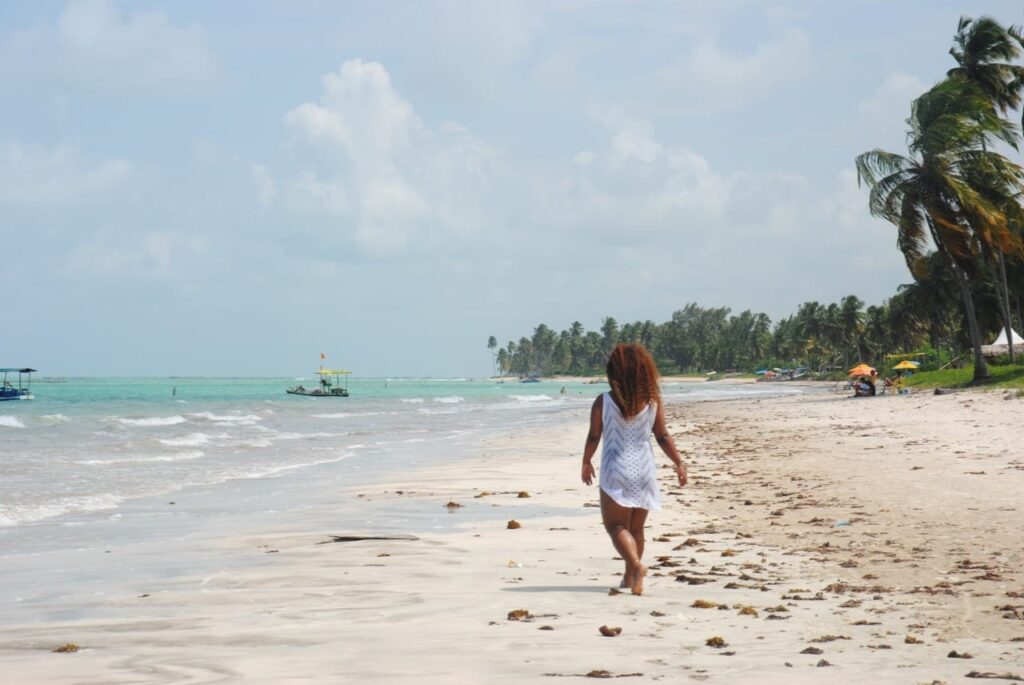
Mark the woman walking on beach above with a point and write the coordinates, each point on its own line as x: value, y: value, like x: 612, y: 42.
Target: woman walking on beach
x: 624, y: 419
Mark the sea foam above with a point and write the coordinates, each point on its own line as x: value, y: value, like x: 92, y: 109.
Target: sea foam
x: 276, y: 470
x: 154, y: 421
x: 22, y: 514
x: 237, y: 419
x: 190, y: 440
x: 11, y: 422
x: 180, y: 456
x: 532, y: 398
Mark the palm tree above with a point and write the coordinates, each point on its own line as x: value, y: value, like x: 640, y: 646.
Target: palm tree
x: 575, y: 347
x: 610, y: 331
x: 876, y: 334
x: 984, y: 52
x: 760, y: 334
x: 492, y: 344
x: 833, y: 337
x: 933, y: 196
x: 543, y: 348
x: 850, y: 318
x: 810, y: 323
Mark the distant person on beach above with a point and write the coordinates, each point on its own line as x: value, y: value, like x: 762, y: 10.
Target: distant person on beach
x: 624, y: 419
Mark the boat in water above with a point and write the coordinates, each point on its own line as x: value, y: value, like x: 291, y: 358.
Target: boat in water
x: 21, y: 391
x: 332, y: 383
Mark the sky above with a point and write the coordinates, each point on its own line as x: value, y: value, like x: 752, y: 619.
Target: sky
x: 233, y: 188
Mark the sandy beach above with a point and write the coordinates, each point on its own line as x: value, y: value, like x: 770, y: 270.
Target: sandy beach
x: 822, y: 539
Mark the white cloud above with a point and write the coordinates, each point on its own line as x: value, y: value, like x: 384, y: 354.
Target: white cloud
x: 266, y: 189
x: 558, y: 71
x: 498, y: 32
x: 893, y: 96
x: 884, y: 113
x: 155, y: 255
x: 637, y: 183
x: 389, y: 176
x: 644, y: 215
x: 710, y: 78
x: 96, y: 46
x: 870, y: 242
x: 33, y: 175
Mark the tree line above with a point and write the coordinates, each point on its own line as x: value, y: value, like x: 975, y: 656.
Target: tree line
x: 919, y: 317
x: 955, y: 201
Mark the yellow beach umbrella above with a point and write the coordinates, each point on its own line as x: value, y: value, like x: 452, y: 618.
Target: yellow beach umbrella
x: 861, y: 370
x: 905, y: 366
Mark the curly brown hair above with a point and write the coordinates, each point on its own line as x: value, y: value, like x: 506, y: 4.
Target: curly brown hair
x: 633, y: 377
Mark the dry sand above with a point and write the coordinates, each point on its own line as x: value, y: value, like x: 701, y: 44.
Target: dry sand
x: 829, y: 540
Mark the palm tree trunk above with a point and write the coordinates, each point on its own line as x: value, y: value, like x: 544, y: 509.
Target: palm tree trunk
x: 1004, y: 301
x: 980, y: 367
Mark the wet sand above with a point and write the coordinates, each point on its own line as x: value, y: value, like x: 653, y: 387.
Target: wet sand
x: 822, y: 539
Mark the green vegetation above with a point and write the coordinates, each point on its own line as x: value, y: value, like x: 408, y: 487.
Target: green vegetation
x: 1009, y: 377
x: 953, y: 191
x: 955, y: 201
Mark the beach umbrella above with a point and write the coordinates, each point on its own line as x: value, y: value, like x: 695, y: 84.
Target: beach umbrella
x: 861, y: 370
x: 905, y: 365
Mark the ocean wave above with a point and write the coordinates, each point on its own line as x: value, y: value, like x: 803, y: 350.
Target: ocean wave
x: 272, y: 471
x: 413, y: 400
x: 532, y: 398
x: 346, y: 415
x: 190, y: 440
x: 17, y: 515
x: 11, y: 422
x: 180, y: 456
x: 237, y: 419
x: 56, y: 418
x: 303, y: 436
x: 450, y: 399
x: 154, y: 421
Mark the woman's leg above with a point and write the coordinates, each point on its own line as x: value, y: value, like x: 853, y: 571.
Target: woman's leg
x: 637, y: 519
x: 616, y: 521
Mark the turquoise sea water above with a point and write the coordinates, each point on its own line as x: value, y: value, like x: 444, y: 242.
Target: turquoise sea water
x: 113, y: 488
x: 95, y: 460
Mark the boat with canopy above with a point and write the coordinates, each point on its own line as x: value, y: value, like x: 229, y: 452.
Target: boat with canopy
x: 21, y: 391
x: 332, y: 383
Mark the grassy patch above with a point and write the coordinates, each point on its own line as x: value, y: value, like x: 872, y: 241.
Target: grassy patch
x: 1011, y: 377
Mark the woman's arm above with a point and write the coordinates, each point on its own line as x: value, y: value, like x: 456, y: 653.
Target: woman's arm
x: 593, y: 439
x: 668, y: 446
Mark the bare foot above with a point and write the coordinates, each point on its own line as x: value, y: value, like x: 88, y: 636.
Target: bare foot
x: 627, y: 580
x: 638, y: 580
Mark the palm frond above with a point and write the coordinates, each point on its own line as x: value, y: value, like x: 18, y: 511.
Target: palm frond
x: 877, y: 164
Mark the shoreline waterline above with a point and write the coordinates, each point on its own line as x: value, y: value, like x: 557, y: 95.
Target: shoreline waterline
x: 276, y: 601
x: 306, y: 463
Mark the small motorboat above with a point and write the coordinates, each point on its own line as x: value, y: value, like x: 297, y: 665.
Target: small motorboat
x: 330, y: 384
x: 21, y: 391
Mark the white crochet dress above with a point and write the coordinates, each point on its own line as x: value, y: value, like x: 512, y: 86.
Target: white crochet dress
x: 627, y: 460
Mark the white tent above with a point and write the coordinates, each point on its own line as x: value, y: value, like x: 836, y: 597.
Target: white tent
x: 1001, y: 346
